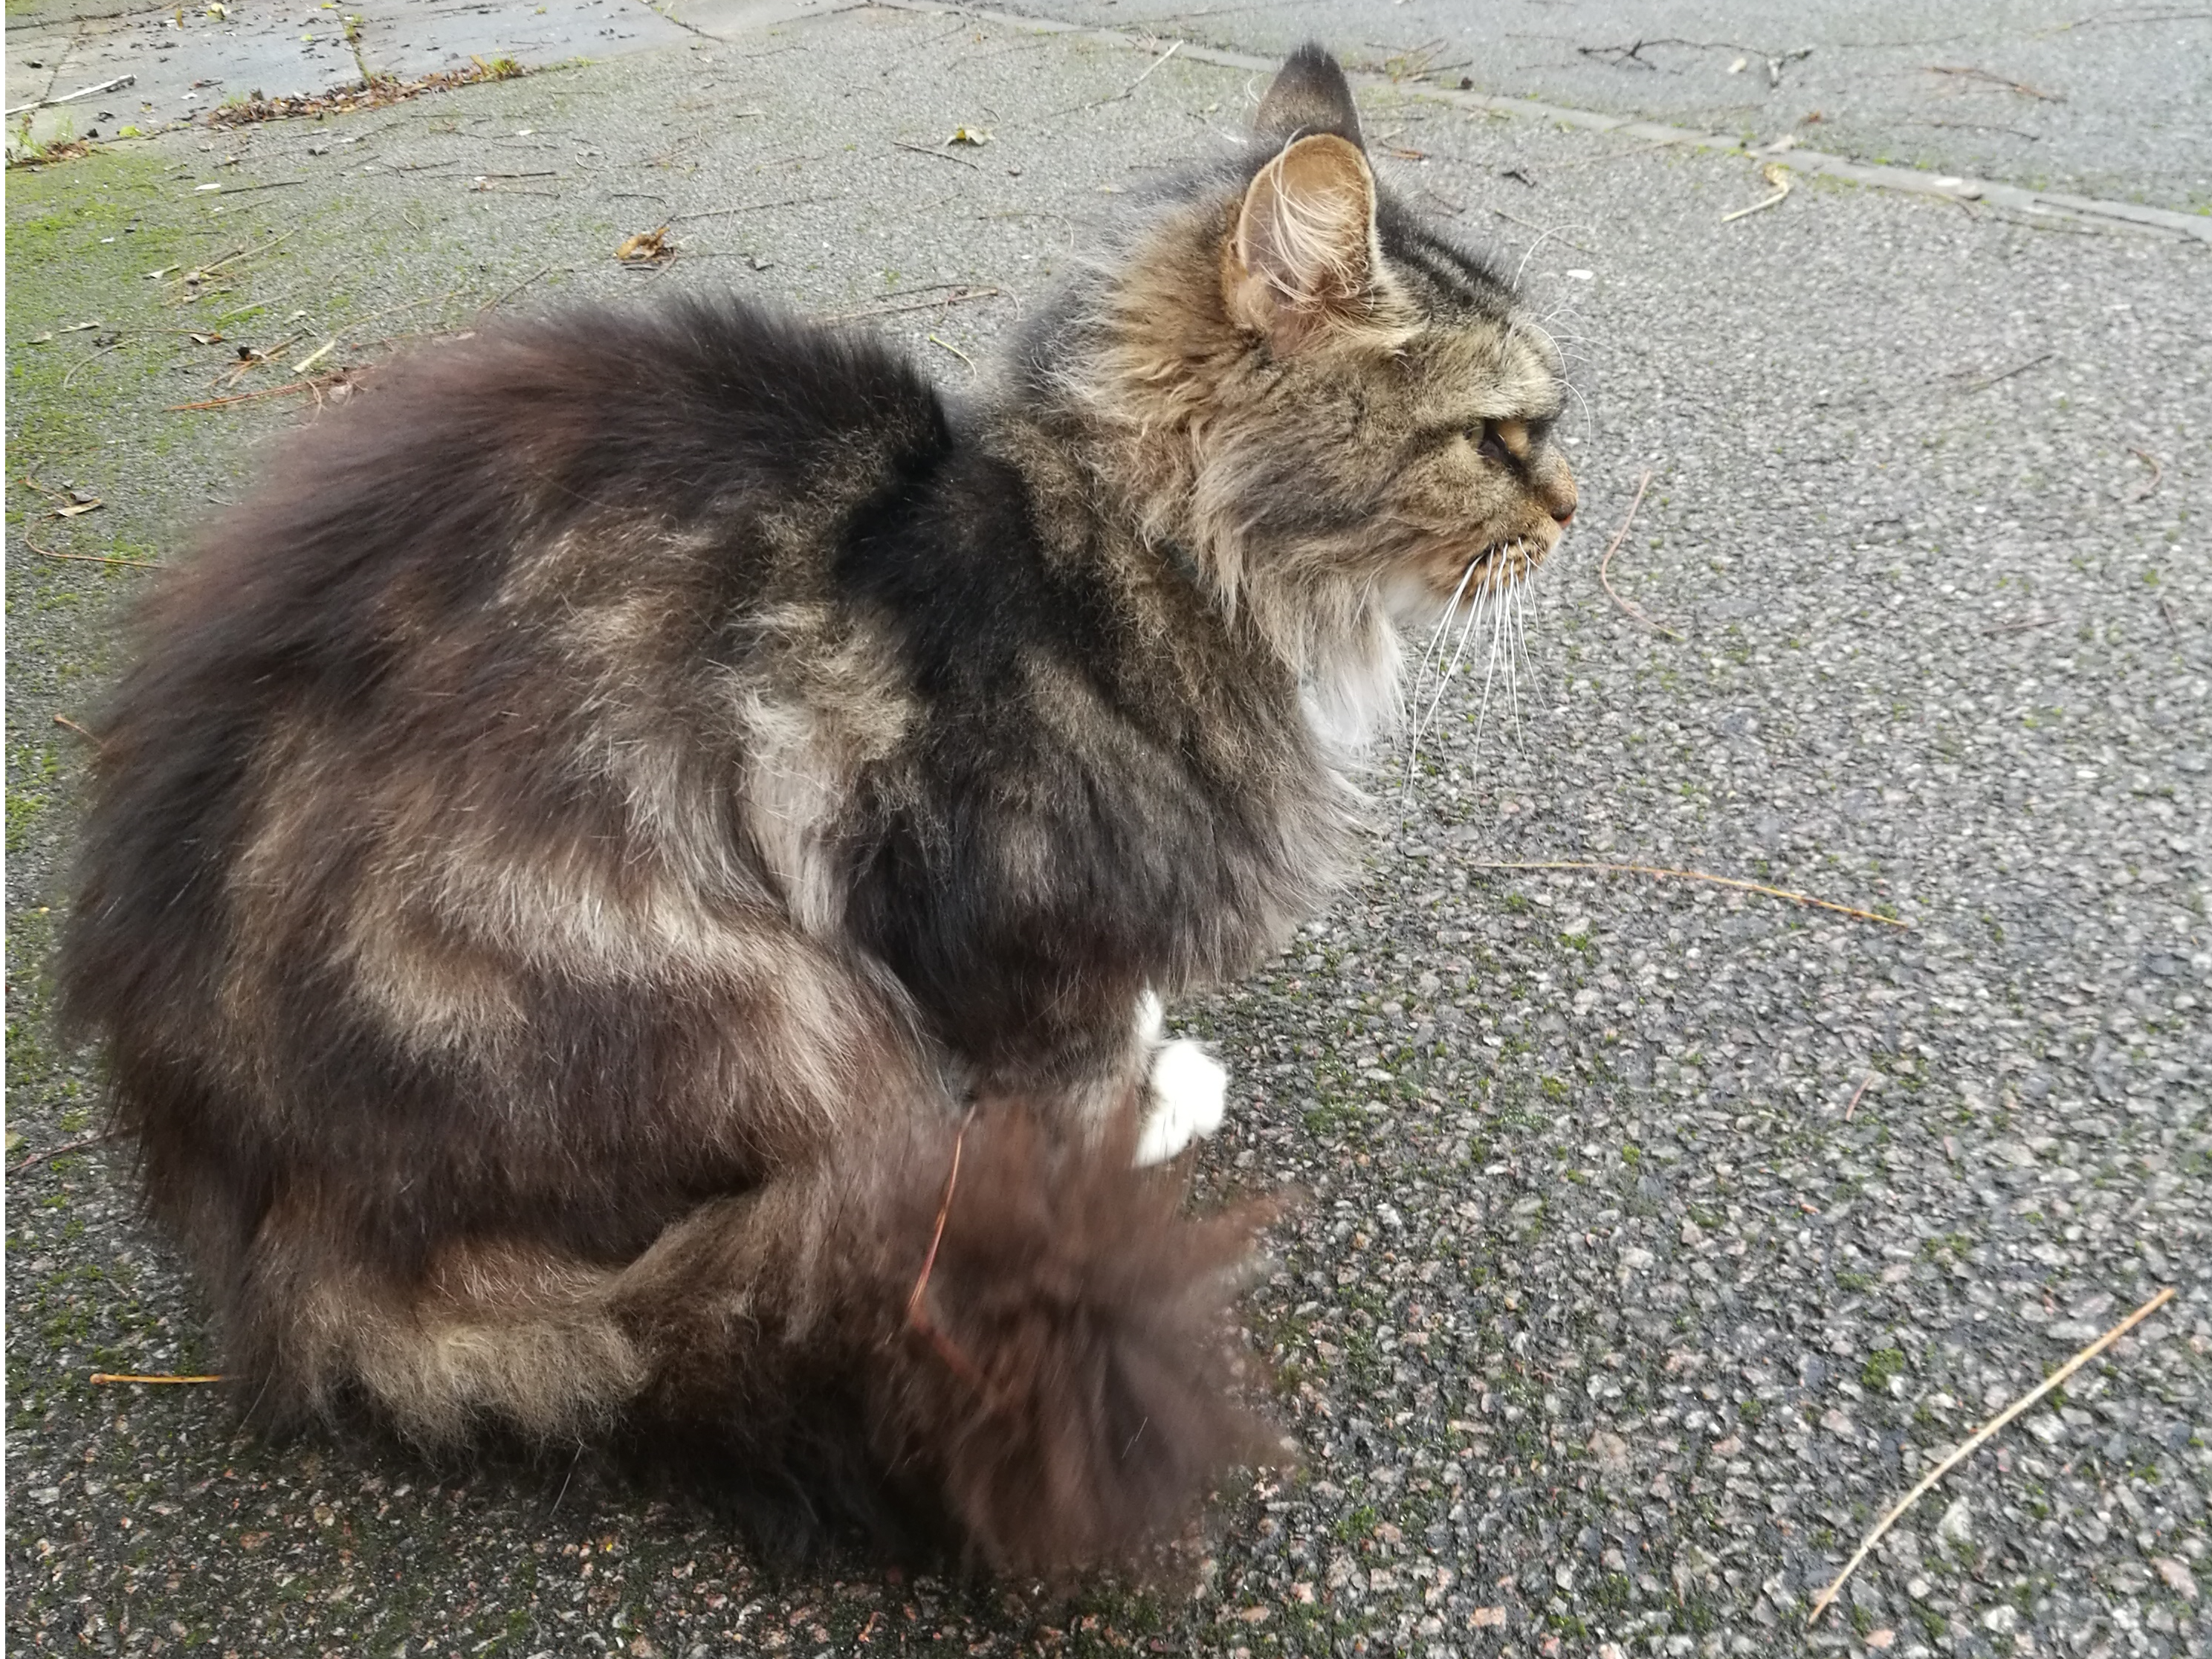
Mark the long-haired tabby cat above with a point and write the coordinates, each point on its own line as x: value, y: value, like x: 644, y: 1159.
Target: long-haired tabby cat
x: 631, y: 886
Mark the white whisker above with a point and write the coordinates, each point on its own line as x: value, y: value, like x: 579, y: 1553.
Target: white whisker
x: 1443, y: 622
x: 1489, y: 672
x: 1482, y: 597
x: 1512, y: 659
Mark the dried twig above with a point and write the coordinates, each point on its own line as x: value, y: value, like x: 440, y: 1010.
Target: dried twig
x: 405, y: 305
x: 71, y: 97
x: 1110, y: 98
x: 2017, y: 368
x: 947, y: 345
x: 917, y: 1315
x: 1614, y: 547
x: 272, y: 183
x: 91, y: 558
x: 120, y: 1376
x: 1147, y: 74
x: 77, y: 368
x: 199, y: 274
x: 1691, y: 875
x: 336, y: 377
x: 1775, y: 175
x: 891, y: 307
x: 941, y: 155
x: 1980, y: 1436
x: 1855, y: 1094
x: 492, y: 305
x: 69, y: 724
x: 1965, y: 72
x: 80, y: 1144
x: 749, y: 207
x: 1618, y: 155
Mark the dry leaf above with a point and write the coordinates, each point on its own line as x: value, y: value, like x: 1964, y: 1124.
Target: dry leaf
x: 644, y: 247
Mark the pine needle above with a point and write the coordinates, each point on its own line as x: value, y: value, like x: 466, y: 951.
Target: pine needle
x: 116, y: 1376
x: 1980, y: 1437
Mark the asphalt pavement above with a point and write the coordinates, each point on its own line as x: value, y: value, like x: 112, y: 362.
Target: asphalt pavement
x: 1661, y: 1233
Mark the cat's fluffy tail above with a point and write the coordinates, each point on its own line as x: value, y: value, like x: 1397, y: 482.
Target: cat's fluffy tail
x: 968, y: 1327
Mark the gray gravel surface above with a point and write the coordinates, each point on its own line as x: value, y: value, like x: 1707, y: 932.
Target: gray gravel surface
x: 1660, y: 1234
x: 2113, y: 101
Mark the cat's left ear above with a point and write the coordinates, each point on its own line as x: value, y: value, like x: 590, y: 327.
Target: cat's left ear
x: 1309, y: 94
x: 1302, y: 258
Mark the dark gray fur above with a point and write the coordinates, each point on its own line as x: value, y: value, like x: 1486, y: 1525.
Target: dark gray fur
x: 572, y: 846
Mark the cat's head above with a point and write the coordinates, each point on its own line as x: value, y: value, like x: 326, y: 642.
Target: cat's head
x: 1325, y: 397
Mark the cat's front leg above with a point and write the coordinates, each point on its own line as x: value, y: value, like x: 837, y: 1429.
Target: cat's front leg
x: 1185, y: 1088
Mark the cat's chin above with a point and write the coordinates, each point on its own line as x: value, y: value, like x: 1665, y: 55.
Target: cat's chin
x: 1419, y: 602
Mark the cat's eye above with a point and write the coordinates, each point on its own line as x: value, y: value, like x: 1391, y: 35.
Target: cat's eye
x: 1488, y: 444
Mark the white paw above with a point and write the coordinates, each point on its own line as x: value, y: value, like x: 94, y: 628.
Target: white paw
x: 1188, y: 1088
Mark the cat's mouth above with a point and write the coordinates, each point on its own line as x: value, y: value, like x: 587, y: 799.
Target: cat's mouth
x: 1454, y: 578
x: 1513, y: 560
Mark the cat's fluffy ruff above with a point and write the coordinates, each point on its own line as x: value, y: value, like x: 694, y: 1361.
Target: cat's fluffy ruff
x: 625, y: 782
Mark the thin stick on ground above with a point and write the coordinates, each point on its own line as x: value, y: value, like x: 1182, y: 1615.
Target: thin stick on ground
x: 101, y: 351
x: 91, y: 558
x: 1979, y: 1438
x: 889, y: 307
x: 1128, y: 91
x: 1776, y: 175
x: 317, y: 384
x: 1691, y: 875
x: 939, y: 151
x: 748, y: 207
x: 71, y: 97
x: 492, y: 305
x: 1614, y: 547
x: 1856, y: 1095
x: 120, y: 1376
x: 82, y: 1141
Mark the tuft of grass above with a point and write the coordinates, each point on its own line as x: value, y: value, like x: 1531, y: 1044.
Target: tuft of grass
x: 1881, y: 1364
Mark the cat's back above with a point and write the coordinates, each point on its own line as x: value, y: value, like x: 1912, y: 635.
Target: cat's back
x: 463, y: 463
x: 481, y: 608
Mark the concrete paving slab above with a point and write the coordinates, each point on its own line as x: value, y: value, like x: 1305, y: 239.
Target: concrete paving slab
x: 1662, y: 1232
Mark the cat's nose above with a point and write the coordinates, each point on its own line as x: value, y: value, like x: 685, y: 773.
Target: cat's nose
x: 1559, y: 497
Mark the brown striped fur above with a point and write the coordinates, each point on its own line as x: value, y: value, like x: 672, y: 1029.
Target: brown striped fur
x: 575, y: 845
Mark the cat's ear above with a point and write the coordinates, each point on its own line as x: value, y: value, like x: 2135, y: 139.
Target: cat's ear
x: 1310, y: 95
x: 1301, y: 256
